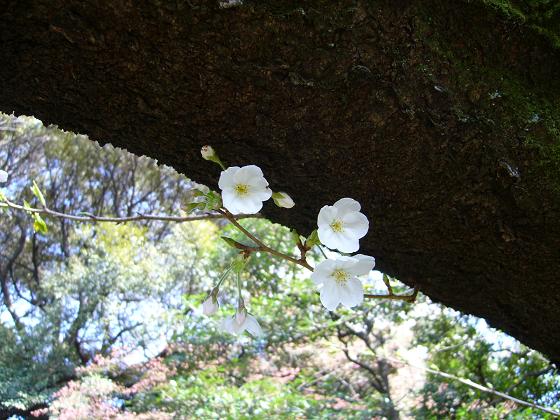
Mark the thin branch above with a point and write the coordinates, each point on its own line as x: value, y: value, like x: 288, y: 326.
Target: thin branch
x: 302, y: 261
x: 222, y: 213
x: 406, y: 298
x: 88, y: 217
x: 260, y: 245
x: 475, y: 385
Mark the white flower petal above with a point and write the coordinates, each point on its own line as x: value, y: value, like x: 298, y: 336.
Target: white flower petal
x: 3, y: 176
x: 326, y: 215
x: 249, y: 175
x: 227, y: 177
x: 352, y: 293
x: 328, y: 237
x: 231, y: 202
x: 237, y: 327
x: 322, y: 271
x: 363, y: 266
x: 249, y: 205
x: 330, y: 295
x: 262, y: 194
x: 258, y: 183
x: 346, y: 205
x: 356, y: 223
x: 228, y: 196
x: 346, y: 243
x: 240, y: 317
x: 227, y: 325
x: 253, y: 326
x: 346, y: 263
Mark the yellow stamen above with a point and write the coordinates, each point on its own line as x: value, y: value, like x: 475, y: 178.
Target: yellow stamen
x: 241, y: 189
x: 340, y: 276
x: 337, y: 226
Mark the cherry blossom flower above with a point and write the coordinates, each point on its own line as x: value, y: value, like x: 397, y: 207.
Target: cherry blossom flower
x: 244, y: 189
x: 342, y: 225
x: 282, y: 199
x: 338, y: 280
x: 240, y: 322
x: 3, y: 176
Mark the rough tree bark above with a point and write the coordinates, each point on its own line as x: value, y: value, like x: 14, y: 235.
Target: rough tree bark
x: 441, y: 117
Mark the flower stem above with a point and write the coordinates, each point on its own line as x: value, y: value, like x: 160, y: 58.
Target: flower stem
x: 223, y: 276
x: 239, y: 286
x: 322, y: 251
x: 260, y: 245
x: 302, y: 262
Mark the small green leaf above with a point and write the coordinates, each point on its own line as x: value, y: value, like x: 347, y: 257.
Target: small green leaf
x: 233, y: 243
x: 313, y: 239
x: 295, y: 235
x: 39, y: 224
x: 213, y: 201
x: 198, y: 193
x: 194, y: 206
x: 26, y: 205
x: 37, y: 193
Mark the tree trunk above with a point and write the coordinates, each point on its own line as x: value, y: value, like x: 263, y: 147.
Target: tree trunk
x: 441, y: 117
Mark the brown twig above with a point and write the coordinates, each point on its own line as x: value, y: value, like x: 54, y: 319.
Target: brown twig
x: 391, y: 296
x: 260, y: 245
x: 247, y: 250
x: 88, y: 217
x: 222, y: 213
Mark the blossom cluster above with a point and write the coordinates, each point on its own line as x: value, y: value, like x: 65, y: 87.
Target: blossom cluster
x: 339, y: 227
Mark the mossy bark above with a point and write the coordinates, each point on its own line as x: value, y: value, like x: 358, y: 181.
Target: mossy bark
x: 442, y: 118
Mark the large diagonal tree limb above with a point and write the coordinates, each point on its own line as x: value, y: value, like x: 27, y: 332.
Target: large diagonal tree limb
x: 441, y: 118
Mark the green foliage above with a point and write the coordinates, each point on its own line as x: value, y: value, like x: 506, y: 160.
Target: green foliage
x: 24, y: 384
x: 456, y: 346
x: 541, y: 15
x: 39, y: 224
x: 213, y: 394
x: 38, y: 194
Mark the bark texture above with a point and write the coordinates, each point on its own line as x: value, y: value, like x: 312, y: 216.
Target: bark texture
x: 441, y: 117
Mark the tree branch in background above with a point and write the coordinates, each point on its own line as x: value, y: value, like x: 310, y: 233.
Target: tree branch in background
x: 88, y: 217
x: 475, y: 385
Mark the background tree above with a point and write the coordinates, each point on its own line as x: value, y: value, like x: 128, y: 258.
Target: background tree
x: 77, y: 291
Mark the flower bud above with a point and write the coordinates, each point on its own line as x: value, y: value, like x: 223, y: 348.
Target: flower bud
x: 281, y: 199
x: 241, y: 313
x: 210, y: 305
x: 207, y: 152
x: 3, y: 176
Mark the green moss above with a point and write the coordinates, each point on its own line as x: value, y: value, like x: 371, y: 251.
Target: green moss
x: 519, y: 104
x: 543, y: 16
